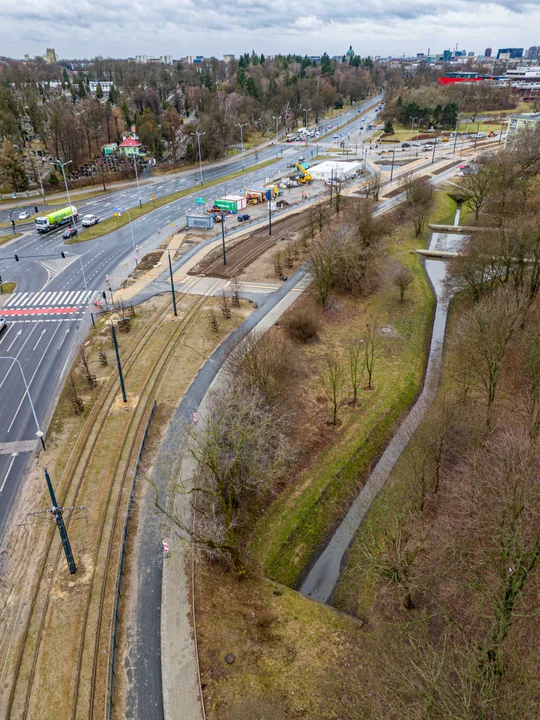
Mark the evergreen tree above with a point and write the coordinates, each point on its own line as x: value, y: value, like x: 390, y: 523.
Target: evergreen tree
x: 251, y: 89
x: 99, y: 91
x: 65, y: 78
x: 11, y: 168
x: 241, y: 77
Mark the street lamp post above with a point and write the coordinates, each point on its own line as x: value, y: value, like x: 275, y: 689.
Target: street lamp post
x: 476, y: 135
x: 27, y: 392
x: 172, y: 283
x: 242, y: 140
x: 137, y: 179
x: 62, y: 165
x: 306, y: 110
x: 198, y: 134
x: 63, y: 253
x: 392, y: 168
x: 277, y: 118
x: 132, y: 236
x: 455, y: 139
x: 434, y: 148
x: 223, y: 237
x: 412, y: 126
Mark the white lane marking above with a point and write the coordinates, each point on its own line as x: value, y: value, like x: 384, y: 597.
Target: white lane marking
x: 13, y: 456
x: 15, y: 299
x: 33, y: 376
x: 17, y: 355
x: 6, y: 333
x: 62, y: 340
x: 39, y: 339
x: 14, y: 339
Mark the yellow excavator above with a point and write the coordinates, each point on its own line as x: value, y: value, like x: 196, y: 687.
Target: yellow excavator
x: 305, y: 177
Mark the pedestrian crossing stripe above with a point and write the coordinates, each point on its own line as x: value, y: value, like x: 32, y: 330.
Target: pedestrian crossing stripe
x: 67, y: 299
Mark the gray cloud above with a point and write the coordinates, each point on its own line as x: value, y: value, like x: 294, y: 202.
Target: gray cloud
x: 181, y: 27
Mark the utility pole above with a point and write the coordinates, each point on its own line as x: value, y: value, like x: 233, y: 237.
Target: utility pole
x: 198, y: 134
x: 137, y: 179
x: 223, y: 238
x: 172, y: 284
x: 434, y: 148
x: 412, y: 126
x: 120, y: 374
x: 392, y: 168
x: 277, y: 118
x: 242, y: 140
x: 331, y: 184
x: 270, y: 214
x: 57, y: 515
x: 62, y: 165
x: 455, y: 139
x: 306, y: 110
x: 476, y: 135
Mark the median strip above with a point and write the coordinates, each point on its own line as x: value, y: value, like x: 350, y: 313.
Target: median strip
x: 115, y: 223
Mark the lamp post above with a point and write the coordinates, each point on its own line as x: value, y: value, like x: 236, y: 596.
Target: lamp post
x: 412, y: 126
x: 119, y: 212
x: 198, y: 134
x: 419, y: 123
x: 27, y: 392
x: 306, y: 110
x: 172, y: 284
x: 277, y: 118
x: 137, y: 179
x: 392, y: 168
x: 434, y: 148
x: 62, y: 165
x: 476, y: 135
x: 455, y: 139
x: 242, y: 140
x: 63, y: 253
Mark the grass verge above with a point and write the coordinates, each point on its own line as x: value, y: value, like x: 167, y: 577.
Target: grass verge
x: 297, y: 523
x: 115, y: 223
x: 8, y: 287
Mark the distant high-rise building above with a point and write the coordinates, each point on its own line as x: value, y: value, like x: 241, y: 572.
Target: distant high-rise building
x: 533, y: 53
x: 487, y: 52
x: 228, y: 58
x: 166, y: 59
x: 513, y: 53
x: 143, y: 59
x: 470, y: 53
x: 50, y: 56
x: 447, y: 56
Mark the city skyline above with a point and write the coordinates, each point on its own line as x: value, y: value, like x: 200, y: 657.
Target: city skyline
x: 189, y: 28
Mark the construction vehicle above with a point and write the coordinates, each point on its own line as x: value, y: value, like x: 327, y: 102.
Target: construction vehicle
x: 305, y: 177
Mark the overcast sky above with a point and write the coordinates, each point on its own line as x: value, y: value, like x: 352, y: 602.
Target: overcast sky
x: 119, y: 28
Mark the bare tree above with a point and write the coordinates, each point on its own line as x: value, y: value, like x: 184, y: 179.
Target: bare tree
x: 419, y: 199
x: 322, y: 253
x: 372, y: 186
x: 356, y: 367
x: 233, y: 458
x: 402, y: 279
x: 478, y: 185
x: 371, y: 344
x: 263, y: 361
x: 213, y: 320
x: 333, y: 381
x: 236, y: 289
x: 224, y: 304
x: 481, y: 340
x: 85, y: 371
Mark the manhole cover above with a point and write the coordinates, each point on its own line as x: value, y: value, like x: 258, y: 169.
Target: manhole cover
x: 3, y: 563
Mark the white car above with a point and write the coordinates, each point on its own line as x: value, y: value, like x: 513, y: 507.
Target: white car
x: 2, y: 323
x: 89, y: 220
x: 24, y: 215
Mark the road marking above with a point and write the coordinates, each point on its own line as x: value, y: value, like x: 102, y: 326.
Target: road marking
x: 39, y: 339
x: 17, y: 356
x: 33, y: 376
x: 13, y: 456
x: 6, y: 333
x: 65, y: 336
x: 41, y: 311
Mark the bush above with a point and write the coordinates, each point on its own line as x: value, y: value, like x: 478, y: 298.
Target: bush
x: 303, y: 324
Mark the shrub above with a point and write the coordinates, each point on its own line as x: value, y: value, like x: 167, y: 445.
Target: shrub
x: 303, y: 324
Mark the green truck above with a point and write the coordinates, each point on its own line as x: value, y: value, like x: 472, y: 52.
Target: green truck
x: 55, y: 219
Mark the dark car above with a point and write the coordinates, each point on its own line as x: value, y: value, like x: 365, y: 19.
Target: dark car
x: 243, y: 218
x: 405, y: 145
x: 69, y: 233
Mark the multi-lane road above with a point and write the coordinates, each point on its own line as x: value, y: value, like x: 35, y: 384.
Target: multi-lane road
x: 47, y: 317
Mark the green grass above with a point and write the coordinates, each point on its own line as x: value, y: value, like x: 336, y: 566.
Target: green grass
x: 6, y: 238
x: 114, y: 223
x: 295, y: 526
x: 8, y: 287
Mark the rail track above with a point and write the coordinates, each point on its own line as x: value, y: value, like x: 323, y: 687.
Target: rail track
x: 86, y: 694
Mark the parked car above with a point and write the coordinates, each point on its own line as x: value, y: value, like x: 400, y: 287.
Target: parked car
x: 2, y: 323
x: 89, y: 220
x: 243, y: 218
x: 24, y: 215
x: 69, y: 233
x: 335, y: 137
x: 301, y: 158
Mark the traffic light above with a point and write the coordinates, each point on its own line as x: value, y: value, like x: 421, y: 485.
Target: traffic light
x: 103, y: 295
x: 63, y: 254
x: 17, y: 258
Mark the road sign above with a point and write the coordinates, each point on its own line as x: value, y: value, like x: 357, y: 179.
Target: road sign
x: 201, y: 201
x: 165, y: 547
x: 195, y: 418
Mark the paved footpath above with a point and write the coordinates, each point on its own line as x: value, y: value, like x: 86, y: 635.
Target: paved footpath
x: 179, y: 662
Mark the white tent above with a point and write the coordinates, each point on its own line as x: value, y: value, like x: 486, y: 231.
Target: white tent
x: 335, y: 169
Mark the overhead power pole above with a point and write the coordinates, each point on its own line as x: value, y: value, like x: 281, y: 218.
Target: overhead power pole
x: 57, y: 515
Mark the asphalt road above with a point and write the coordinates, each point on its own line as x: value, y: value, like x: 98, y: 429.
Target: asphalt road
x: 52, y: 293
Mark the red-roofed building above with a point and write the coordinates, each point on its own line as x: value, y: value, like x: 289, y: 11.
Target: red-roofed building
x: 130, y: 147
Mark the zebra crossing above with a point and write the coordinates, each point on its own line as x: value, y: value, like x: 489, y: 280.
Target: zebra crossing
x: 53, y: 299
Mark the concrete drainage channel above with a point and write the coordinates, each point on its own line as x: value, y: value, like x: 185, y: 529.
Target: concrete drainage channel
x: 323, y: 577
